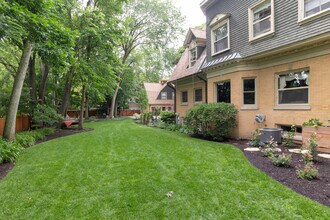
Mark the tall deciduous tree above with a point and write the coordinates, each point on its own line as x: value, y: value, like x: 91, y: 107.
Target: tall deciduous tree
x: 146, y: 22
x: 25, y: 24
x: 95, y: 50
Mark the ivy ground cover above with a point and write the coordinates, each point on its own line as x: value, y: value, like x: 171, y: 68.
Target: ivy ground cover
x: 122, y: 170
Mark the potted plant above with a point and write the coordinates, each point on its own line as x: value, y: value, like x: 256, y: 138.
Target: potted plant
x: 314, y: 125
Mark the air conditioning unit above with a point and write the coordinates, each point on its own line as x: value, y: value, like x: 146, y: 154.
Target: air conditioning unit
x: 260, y: 118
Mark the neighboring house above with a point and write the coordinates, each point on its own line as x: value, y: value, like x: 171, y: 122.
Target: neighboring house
x: 133, y: 105
x: 269, y: 57
x: 160, y: 96
x: 189, y: 81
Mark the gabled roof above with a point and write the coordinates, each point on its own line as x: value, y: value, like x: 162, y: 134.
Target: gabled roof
x: 194, y: 32
x: 182, y: 69
x: 153, y: 90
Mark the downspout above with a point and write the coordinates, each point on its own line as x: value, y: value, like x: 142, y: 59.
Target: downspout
x: 206, y: 98
x: 173, y: 87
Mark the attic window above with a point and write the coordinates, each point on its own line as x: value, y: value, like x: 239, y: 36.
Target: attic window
x: 220, y: 38
x: 193, y: 56
x: 163, y: 95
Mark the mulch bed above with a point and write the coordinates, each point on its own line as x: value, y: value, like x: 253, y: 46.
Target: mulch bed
x: 318, y: 189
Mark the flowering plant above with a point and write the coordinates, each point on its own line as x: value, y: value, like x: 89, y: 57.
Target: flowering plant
x: 282, y: 160
x: 270, y: 148
x: 309, y: 172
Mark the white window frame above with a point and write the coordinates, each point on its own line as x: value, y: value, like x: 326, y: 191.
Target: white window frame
x: 190, y: 55
x: 251, y: 18
x: 250, y: 106
x: 302, y: 106
x: 218, y: 24
x: 301, y: 13
x: 163, y: 95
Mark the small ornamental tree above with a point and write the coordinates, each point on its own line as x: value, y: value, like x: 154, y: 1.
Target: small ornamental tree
x: 212, y: 120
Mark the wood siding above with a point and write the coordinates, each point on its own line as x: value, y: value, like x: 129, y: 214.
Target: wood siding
x: 287, y: 28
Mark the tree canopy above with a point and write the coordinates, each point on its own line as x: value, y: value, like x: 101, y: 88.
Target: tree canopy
x: 70, y: 54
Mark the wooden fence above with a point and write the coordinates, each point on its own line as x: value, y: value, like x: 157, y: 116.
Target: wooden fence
x: 22, y: 124
x: 128, y: 112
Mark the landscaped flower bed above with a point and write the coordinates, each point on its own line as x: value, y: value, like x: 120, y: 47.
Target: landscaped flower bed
x: 317, y: 189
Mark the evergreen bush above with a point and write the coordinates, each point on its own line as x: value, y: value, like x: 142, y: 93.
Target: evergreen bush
x: 212, y: 120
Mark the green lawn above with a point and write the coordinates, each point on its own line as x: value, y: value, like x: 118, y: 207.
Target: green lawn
x: 123, y: 171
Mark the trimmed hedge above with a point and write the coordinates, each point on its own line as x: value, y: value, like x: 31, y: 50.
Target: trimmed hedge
x: 212, y: 120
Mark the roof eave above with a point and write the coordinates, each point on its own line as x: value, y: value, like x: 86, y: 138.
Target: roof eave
x: 204, y: 5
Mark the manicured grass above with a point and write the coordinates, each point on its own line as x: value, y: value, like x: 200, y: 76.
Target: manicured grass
x: 123, y: 171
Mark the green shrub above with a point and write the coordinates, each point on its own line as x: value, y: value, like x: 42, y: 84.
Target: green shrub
x: 9, y: 151
x: 309, y: 172
x: 212, y: 120
x: 47, y: 131
x: 270, y: 149
x: 282, y: 160
x: 45, y: 115
x: 311, y: 147
x: 146, y: 118
x: 288, y: 141
x: 315, y: 122
x: 167, y: 117
x: 25, y: 139
x: 173, y: 127
x: 255, y: 140
x: 40, y: 134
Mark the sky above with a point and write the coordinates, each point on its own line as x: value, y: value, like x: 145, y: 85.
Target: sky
x: 191, y: 10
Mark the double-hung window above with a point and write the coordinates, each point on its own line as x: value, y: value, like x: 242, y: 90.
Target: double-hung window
x: 293, y: 88
x: 261, y: 19
x: 223, y: 92
x: 193, y: 56
x: 220, y: 37
x: 198, y: 95
x: 313, y: 8
x: 184, y: 97
x: 249, y: 91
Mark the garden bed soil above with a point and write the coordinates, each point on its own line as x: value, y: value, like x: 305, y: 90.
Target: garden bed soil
x: 318, y: 189
x: 6, y: 167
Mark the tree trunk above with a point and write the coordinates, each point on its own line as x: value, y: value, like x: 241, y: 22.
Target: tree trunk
x: 82, y: 104
x: 32, y: 80
x: 44, y: 77
x: 116, y: 109
x: 86, y: 106
x: 114, y: 99
x: 67, y: 92
x: 10, y: 124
